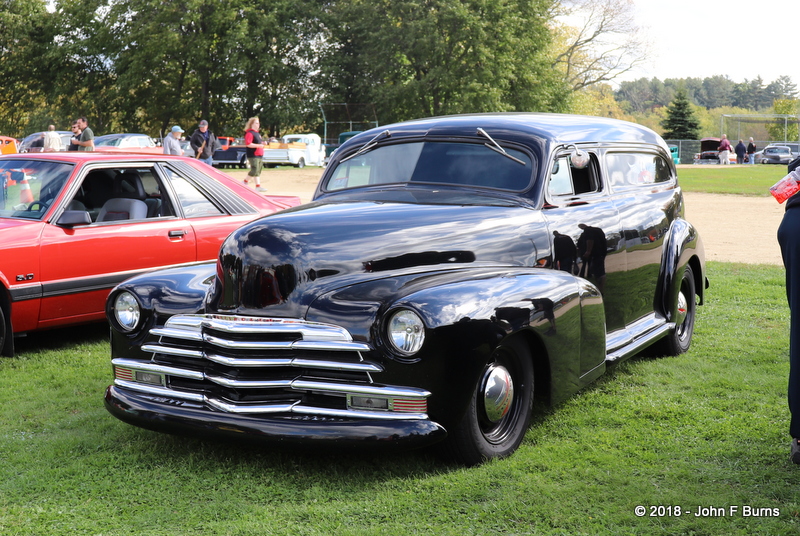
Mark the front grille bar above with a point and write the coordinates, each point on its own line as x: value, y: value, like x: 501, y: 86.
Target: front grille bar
x: 227, y: 339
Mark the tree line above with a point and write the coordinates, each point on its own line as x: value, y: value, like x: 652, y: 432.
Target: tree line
x: 643, y: 95
x: 144, y: 65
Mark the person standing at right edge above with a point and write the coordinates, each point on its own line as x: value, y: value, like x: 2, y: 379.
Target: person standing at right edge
x: 789, y: 240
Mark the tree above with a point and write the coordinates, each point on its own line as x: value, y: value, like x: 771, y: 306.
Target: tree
x: 419, y: 58
x: 604, y: 44
x: 782, y: 88
x: 25, y: 34
x: 785, y: 130
x: 681, y: 123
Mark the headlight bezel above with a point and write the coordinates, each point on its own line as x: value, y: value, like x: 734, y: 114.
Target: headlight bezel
x: 402, y: 323
x: 119, y: 311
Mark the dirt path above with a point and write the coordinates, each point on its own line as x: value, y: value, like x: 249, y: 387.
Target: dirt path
x: 734, y: 228
x: 737, y: 228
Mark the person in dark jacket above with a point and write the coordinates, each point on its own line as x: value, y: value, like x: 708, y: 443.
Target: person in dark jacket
x: 204, y: 143
x: 740, y: 151
x: 789, y: 240
x: 751, y: 151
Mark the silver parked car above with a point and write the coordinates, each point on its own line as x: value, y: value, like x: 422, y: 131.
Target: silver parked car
x: 775, y: 154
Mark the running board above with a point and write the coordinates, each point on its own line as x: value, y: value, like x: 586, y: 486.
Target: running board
x: 639, y: 343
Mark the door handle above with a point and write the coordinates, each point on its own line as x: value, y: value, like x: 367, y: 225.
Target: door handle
x: 177, y: 233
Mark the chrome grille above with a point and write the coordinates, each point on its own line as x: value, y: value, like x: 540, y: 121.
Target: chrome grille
x: 252, y: 365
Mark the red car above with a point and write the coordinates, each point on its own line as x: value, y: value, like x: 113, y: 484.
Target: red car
x: 73, y: 225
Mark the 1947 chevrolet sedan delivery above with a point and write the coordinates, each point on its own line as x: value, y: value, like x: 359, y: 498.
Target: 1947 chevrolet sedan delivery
x: 447, y: 272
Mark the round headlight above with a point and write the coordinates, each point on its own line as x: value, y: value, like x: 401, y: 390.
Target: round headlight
x: 126, y: 310
x: 406, y: 331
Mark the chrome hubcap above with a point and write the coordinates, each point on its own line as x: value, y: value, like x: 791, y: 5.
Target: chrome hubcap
x: 498, y: 392
x: 683, y: 309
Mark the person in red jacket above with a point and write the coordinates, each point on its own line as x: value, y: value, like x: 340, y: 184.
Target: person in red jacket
x: 255, y: 151
x: 724, y: 150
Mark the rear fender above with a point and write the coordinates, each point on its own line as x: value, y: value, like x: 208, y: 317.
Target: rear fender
x: 682, y: 246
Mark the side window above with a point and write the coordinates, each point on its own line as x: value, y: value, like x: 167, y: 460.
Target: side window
x: 566, y: 179
x: 193, y: 202
x: 560, y: 178
x: 117, y: 194
x: 634, y: 169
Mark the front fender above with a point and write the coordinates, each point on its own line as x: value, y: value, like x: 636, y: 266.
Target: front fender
x: 467, y: 315
x: 161, y: 294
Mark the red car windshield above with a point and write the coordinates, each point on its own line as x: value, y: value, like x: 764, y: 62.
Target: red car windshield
x: 29, y: 187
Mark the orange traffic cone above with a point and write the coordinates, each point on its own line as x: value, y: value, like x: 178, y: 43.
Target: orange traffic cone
x: 25, y: 194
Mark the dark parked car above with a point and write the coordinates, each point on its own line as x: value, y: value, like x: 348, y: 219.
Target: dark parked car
x: 448, y: 272
x: 775, y: 154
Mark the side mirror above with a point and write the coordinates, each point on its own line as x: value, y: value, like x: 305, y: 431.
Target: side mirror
x: 71, y: 218
x: 578, y: 159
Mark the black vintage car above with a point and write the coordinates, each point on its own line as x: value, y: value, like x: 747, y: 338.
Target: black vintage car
x: 448, y: 272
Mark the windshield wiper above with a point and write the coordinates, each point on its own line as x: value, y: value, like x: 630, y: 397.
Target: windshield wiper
x: 496, y: 147
x: 367, y: 146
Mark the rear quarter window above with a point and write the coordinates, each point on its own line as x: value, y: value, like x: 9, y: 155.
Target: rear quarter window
x: 636, y: 169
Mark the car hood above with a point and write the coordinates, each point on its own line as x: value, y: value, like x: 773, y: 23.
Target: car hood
x: 13, y: 226
x: 282, y: 262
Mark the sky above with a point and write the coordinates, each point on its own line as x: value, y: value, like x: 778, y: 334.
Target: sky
x: 743, y: 40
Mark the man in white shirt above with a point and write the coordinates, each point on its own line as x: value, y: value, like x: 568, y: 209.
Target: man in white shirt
x: 52, y: 141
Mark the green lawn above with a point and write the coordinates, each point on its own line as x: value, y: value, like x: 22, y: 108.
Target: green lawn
x: 742, y: 180
x: 706, y: 429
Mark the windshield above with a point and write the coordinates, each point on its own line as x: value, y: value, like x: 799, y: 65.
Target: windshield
x: 466, y: 164
x: 29, y: 187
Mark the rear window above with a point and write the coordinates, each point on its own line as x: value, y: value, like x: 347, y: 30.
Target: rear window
x: 465, y: 164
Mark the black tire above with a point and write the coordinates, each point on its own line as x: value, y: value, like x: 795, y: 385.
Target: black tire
x: 679, y: 339
x: 243, y: 163
x: 3, y: 330
x: 301, y: 163
x: 490, y: 432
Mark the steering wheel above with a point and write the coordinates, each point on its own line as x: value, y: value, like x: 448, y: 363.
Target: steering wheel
x: 41, y: 204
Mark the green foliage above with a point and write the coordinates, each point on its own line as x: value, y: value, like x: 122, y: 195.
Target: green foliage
x: 780, y: 130
x: 708, y: 428
x: 417, y: 59
x: 681, y: 123
x: 712, y: 92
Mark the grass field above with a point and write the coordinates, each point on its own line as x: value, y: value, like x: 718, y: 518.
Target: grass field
x: 706, y: 429
x: 741, y: 180
x: 703, y: 433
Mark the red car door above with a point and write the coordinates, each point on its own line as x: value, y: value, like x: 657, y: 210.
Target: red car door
x: 80, y: 265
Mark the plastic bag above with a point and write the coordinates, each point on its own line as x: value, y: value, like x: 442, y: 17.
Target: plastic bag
x: 786, y: 187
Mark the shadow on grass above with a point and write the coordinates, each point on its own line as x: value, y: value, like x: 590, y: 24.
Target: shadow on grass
x: 61, y: 338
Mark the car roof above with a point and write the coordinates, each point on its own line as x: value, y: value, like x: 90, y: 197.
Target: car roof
x: 122, y: 135
x: 558, y: 128
x: 78, y: 157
